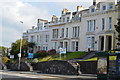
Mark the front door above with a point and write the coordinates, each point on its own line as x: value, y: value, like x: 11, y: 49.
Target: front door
x: 66, y: 45
x: 109, y: 42
x: 102, y: 43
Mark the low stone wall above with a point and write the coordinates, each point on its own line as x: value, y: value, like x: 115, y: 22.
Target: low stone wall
x: 65, y: 68
x: 88, y: 67
x: 2, y: 66
x: 55, y: 67
x: 23, y: 67
x: 8, y: 65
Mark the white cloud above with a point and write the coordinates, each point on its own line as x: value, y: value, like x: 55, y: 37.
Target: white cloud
x: 14, y: 11
x: 11, y: 15
x: 9, y: 35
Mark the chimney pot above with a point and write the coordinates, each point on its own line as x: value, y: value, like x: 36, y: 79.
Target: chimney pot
x: 94, y: 2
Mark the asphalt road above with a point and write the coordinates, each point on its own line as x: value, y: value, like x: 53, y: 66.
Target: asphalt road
x: 19, y: 76
x: 9, y: 77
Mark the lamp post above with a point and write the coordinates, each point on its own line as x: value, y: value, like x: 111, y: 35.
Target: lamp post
x: 19, y: 55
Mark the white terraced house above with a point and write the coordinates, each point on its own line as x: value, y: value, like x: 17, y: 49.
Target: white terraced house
x: 84, y: 29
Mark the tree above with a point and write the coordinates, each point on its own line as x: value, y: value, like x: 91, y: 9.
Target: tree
x: 31, y: 45
x: 3, y: 51
x: 15, y: 48
x: 118, y: 31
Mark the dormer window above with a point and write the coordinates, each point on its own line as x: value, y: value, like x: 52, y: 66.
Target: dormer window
x: 38, y: 27
x: 93, y: 10
x: 104, y: 7
x: 111, y: 6
x: 63, y: 19
x: 56, y: 20
x: 67, y: 19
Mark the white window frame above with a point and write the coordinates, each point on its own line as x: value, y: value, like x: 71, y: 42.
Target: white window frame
x: 90, y: 42
x: 55, y: 45
x: 68, y: 19
x: 66, y: 32
x: 74, y: 46
x: 103, y: 23
x: 55, y: 33
x: 76, y: 30
x: 37, y: 38
x: 92, y: 10
x: 63, y: 19
x: 110, y: 23
x: 47, y: 38
x: 63, y: 32
x: 91, y: 24
x: 32, y: 39
x: 104, y: 7
x: 111, y: 4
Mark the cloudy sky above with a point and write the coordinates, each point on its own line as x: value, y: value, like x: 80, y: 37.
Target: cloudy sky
x: 28, y: 11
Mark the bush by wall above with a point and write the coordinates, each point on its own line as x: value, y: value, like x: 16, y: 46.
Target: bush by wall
x: 51, y: 51
x: 5, y: 59
x: 41, y: 53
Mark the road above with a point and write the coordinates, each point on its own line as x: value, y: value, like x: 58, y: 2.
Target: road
x: 28, y: 76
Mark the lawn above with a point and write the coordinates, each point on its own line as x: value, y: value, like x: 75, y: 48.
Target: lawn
x: 95, y: 58
x: 74, y: 55
x: 69, y: 55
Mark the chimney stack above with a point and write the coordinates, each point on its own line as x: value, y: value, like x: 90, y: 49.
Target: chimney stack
x: 79, y: 8
x: 64, y: 11
x: 94, y: 2
x: 53, y: 18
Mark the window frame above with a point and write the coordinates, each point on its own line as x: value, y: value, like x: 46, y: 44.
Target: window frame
x: 103, y: 24
x: 111, y: 4
x: 104, y: 7
x: 66, y: 32
x: 68, y: 19
x: 110, y: 23
x: 92, y: 10
x: 90, y: 42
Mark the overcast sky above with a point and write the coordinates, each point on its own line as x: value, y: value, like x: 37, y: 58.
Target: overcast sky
x: 28, y: 11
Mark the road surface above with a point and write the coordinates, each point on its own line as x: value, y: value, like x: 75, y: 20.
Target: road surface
x: 29, y: 76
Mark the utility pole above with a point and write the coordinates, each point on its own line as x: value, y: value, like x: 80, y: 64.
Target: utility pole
x: 19, y: 55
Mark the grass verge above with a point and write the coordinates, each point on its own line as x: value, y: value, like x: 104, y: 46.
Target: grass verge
x: 69, y: 55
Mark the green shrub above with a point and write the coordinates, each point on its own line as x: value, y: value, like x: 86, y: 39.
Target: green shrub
x: 5, y: 59
x: 51, y: 51
x: 41, y: 53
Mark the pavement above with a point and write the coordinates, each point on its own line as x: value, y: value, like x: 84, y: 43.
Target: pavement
x: 35, y: 74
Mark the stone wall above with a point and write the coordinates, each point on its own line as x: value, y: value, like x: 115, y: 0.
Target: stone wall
x: 55, y: 67
x: 23, y: 66
x: 2, y: 66
x: 65, y: 68
x: 88, y: 67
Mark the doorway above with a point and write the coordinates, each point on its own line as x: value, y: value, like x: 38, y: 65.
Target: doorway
x: 102, y: 43
x: 109, y: 42
x: 66, y: 46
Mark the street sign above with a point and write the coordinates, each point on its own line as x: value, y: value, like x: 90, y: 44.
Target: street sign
x: 112, y: 65
x: 62, y: 50
x: 30, y: 55
x: 8, y: 54
x: 19, y: 55
x: 118, y: 65
x: 117, y: 52
x: 102, y: 65
x: 11, y: 56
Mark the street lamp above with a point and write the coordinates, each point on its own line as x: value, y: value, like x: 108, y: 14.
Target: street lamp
x: 19, y: 55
